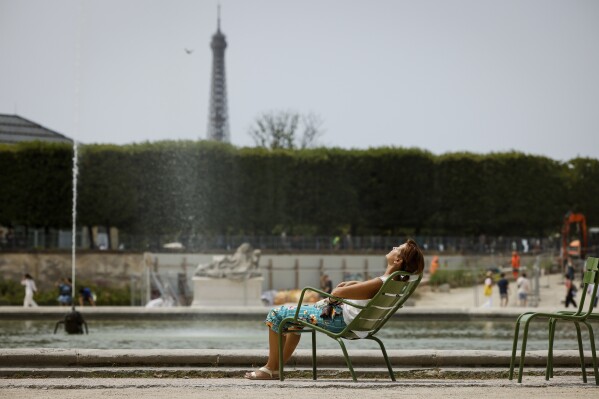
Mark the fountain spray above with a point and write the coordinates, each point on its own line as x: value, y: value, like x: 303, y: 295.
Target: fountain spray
x: 73, y: 321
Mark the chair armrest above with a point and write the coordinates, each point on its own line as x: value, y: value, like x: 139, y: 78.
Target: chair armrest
x: 322, y: 293
x: 342, y: 300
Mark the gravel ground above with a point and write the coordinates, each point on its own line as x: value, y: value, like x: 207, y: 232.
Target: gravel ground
x: 558, y: 387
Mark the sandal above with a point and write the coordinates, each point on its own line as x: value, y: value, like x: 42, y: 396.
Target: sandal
x: 270, y: 375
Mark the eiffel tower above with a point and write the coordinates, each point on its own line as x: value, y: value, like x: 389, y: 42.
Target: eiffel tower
x: 218, y: 118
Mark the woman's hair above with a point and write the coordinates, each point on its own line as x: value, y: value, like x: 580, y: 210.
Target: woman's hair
x: 27, y: 275
x: 413, y: 259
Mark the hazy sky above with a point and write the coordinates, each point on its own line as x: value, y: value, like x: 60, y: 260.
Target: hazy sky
x: 440, y: 75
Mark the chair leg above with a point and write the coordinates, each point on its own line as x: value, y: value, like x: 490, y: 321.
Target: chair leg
x: 347, y: 360
x: 523, y: 351
x: 552, y: 323
x: 281, y: 363
x: 593, y: 353
x: 549, y: 358
x: 385, y: 356
x: 581, y: 352
x: 314, y: 355
x: 514, y: 348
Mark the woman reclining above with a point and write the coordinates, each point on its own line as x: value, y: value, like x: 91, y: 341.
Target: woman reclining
x: 407, y: 257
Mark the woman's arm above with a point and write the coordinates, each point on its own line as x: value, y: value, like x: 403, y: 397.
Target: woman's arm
x: 347, y: 283
x: 358, y: 290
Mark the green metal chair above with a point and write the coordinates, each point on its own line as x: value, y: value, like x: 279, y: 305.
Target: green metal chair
x: 591, y: 275
x: 373, y: 316
x: 592, y: 265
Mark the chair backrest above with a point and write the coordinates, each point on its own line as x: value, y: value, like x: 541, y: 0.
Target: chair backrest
x: 590, y: 276
x: 391, y: 296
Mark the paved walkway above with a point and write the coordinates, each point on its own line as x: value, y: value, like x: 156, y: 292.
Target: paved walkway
x: 552, y: 294
x: 558, y: 388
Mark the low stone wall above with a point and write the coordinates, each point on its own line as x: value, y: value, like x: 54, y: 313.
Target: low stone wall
x: 37, y: 357
x: 288, y: 271
x: 114, y: 269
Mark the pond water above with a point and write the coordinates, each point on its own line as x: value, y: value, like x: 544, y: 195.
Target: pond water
x: 219, y: 334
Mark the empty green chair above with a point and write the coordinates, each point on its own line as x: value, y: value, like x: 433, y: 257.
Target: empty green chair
x: 591, y: 276
x: 373, y: 316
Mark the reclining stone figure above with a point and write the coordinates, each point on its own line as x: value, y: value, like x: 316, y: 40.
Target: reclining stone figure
x: 241, y: 265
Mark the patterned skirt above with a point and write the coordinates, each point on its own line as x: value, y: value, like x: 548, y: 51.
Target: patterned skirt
x: 312, y: 314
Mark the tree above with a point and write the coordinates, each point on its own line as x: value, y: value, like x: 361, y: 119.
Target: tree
x: 286, y: 129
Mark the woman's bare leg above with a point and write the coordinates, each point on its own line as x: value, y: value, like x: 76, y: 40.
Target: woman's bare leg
x: 290, y: 342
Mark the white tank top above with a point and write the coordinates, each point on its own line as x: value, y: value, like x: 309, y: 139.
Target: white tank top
x: 350, y: 312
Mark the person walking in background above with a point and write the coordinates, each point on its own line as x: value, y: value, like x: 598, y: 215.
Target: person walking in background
x: 570, y: 269
x: 503, y: 286
x: 570, y: 291
x: 30, y: 290
x: 515, y: 264
x: 434, y: 265
x: 86, y: 296
x: 523, y: 289
x: 326, y: 284
x: 488, y: 290
x: 336, y: 242
x: 65, y: 292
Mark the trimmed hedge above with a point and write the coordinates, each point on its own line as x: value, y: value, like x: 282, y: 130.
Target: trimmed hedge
x: 179, y: 188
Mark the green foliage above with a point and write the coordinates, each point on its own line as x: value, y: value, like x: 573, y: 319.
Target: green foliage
x: 455, y: 278
x: 12, y: 294
x: 583, y: 175
x: 36, y: 184
x: 396, y: 190
x: 107, y: 195
x: 181, y: 188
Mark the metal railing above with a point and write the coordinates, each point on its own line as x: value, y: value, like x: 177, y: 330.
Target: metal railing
x: 37, y: 239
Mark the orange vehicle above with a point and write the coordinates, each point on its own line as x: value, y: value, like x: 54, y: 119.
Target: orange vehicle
x: 574, y: 240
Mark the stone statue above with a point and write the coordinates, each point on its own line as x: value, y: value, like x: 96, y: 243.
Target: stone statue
x: 241, y: 265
